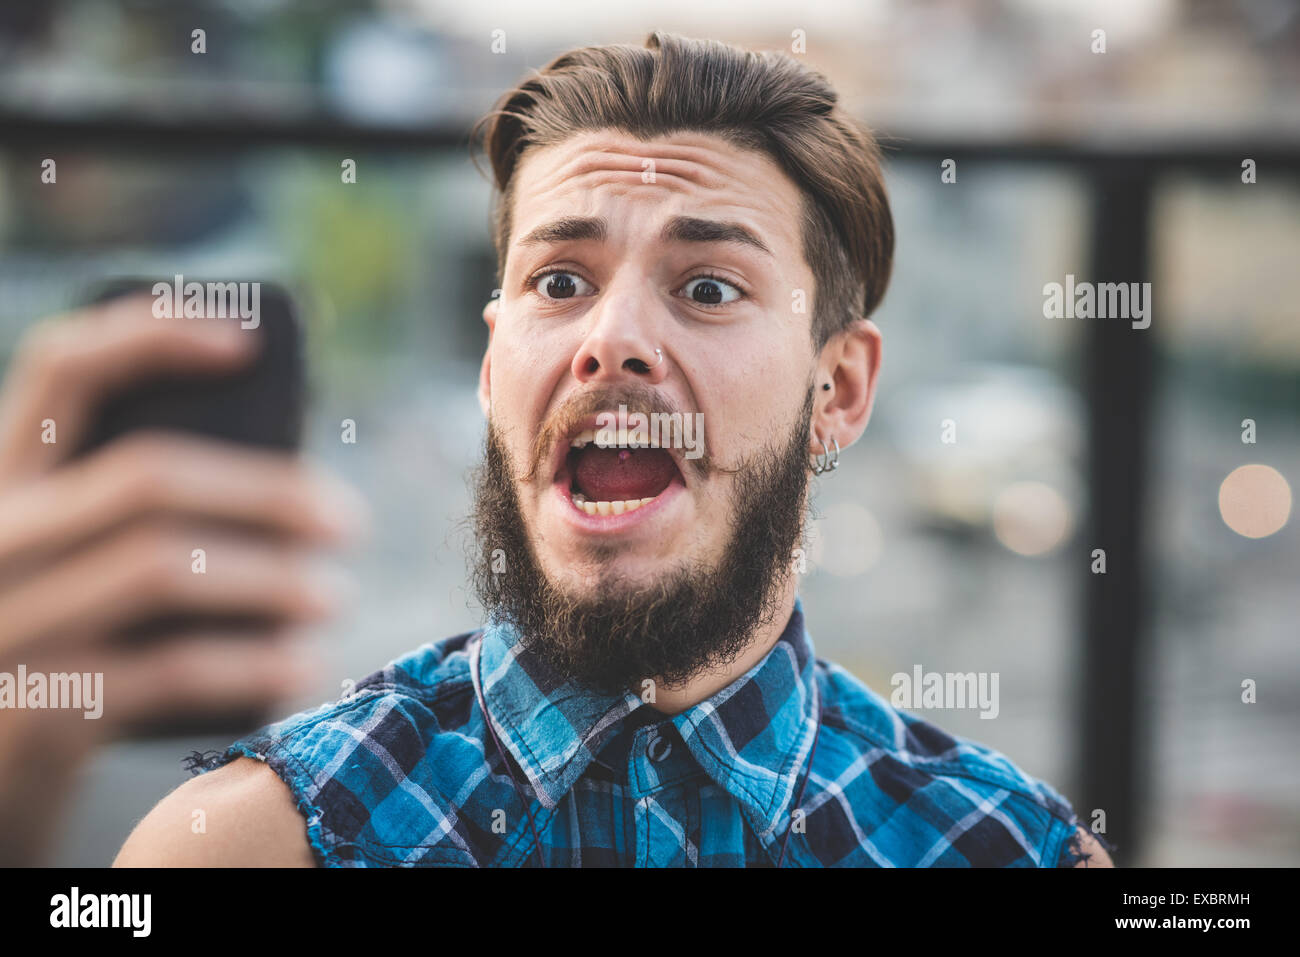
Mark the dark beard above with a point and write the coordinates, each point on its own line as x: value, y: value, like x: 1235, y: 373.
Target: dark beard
x: 692, y: 620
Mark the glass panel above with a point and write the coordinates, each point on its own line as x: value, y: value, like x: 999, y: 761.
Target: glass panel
x: 1226, y: 605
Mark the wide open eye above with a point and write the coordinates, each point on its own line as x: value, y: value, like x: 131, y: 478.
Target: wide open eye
x: 559, y: 284
x: 711, y: 291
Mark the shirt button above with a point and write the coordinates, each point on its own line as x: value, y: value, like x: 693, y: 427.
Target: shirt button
x: 658, y: 748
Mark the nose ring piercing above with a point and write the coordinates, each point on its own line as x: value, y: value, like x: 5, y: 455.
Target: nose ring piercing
x: 660, y: 354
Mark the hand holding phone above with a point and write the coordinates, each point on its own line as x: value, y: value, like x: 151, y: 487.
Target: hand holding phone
x: 173, y: 441
x: 93, y: 545
x: 259, y: 406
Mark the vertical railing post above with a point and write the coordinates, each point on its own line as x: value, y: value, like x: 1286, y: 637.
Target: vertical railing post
x: 1116, y: 679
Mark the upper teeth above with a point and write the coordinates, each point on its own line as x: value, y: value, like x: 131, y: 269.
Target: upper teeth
x: 608, y: 508
x: 623, y: 438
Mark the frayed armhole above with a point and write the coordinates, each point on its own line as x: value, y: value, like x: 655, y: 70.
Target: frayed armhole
x: 1073, y: 854
x: 199, y: 761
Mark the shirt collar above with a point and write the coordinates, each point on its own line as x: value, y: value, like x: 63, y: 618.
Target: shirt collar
x: 752, y: 737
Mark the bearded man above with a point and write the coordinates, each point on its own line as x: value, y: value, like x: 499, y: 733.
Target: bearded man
x: 686, y: 233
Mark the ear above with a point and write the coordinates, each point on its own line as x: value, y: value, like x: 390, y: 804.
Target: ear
x: 484, y: 374
x: 850, y: 363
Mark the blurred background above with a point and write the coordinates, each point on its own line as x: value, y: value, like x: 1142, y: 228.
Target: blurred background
x: 1124, y: 690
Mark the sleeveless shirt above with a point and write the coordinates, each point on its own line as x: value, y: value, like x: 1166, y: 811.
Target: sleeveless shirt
x: 403, y: 771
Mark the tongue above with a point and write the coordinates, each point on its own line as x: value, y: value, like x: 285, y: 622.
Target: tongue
x: 613, y: 475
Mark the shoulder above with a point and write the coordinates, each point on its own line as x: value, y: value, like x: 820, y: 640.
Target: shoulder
x: 239, y: 815
x: 916, y: 795
x: 303, y: 788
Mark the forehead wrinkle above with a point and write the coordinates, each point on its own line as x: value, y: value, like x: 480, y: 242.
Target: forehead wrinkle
x: 629, y: 183
x: 682, y: 168
x: 706, y: 165
x: 616, y: 171
x: 716, y: 201
x: 710, y: 152
x: 582, y: 170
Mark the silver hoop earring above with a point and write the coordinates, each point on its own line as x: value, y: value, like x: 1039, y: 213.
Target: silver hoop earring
x: 819, y: 459
x: 826, y: 460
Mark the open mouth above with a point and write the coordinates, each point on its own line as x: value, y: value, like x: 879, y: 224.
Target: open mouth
x: 607, y: 478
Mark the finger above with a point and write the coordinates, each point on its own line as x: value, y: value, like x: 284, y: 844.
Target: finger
x: 152, y: 475
x: 211, y: 673
x: 150, y: 569
x: 64, y: 367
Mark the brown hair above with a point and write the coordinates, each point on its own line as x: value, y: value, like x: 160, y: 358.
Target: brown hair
x: 763, y: 101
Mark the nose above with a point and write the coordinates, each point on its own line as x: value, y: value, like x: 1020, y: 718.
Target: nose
x: 621, y: 340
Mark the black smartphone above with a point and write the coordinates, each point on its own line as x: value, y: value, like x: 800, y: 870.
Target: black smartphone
x: 259, y: 405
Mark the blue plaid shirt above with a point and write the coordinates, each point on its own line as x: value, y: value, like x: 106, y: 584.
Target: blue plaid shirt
x: 404, y: 773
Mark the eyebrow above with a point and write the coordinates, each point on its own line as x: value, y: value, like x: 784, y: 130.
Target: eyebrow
x: 689, y: 229
x: 568, y: 229
x: 680, y: 229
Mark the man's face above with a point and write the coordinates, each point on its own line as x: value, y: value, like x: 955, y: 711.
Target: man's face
x: 734, y: 348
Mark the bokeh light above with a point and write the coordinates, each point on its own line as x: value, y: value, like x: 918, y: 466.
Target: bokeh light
x: 1031, y: 518
x: 1255, y: 501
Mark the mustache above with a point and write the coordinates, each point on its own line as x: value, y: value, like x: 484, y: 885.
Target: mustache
x: 637, y: 398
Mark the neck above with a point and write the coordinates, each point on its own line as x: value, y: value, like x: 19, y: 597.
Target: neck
x: 674, y: 700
